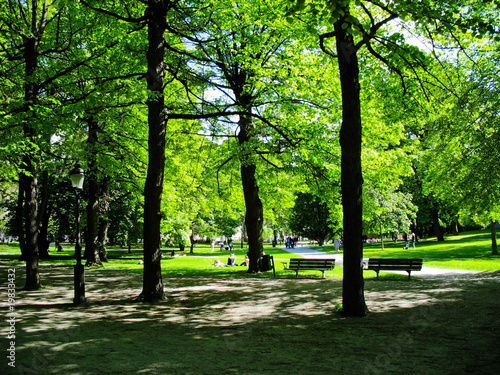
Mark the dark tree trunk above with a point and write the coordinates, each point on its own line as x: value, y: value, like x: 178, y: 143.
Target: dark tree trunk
x: 493, y: 229
x: 31, y: 227
x: 20, y: 217
x: 254, y: 216
x: 157, y: 120
x: 43, y: 241
x: 351, y: 173
x: 44, y: 216
x: 191, y: 240
x: 30, y: 180
x: 243, y: 235
x: 102, y: 238
x: 103, y: 225
x: 381, y: 237
x: 91, y: 242
x: 438, y: 231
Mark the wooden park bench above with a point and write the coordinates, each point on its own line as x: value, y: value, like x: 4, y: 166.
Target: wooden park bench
x: 393, y: 264
x: 310, y: 264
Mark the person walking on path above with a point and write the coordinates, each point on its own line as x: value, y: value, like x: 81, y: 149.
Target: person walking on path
x: 336, y: 243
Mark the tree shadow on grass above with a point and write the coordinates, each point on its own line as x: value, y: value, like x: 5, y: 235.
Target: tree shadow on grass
x: 210, y: 325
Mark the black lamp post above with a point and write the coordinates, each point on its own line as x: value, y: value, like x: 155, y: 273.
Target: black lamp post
x: 76, y: 175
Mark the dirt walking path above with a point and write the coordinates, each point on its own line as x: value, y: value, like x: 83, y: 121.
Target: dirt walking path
x: 446, y: 324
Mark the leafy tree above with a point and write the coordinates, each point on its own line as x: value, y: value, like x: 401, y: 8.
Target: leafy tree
x: 365, y: 24
x: 461, y: 144
x: 311, y: 218
x: 38, y: 48
x: 157, y: 16
x: 252, y: 77
x: 388, y: 212
x: 387, y: 154
x: 279, y: 188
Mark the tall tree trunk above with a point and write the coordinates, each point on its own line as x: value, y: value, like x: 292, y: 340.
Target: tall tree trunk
x: 254, y: 216
x: 44, y: 217
x: 438, y: 231
x: 30, y: 180
x: 103, y: 222
x: 493, y: 229
x: 381, y: 237
x: 102, y: 236
x: 43, y: 236
x: 91, y: 247
x: 351, y: 173
x: 243, y: 234
x: 157, y: 120
x: 20, y: 217
x: 191, y: 240
x: 31, y: 226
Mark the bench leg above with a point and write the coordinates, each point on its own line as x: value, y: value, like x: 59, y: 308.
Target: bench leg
x: 409, y: 275
x: 323, y: 274
x: 297, y: 274
x: 377, y: 271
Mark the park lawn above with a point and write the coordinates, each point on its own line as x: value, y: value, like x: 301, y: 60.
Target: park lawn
x: 466, y: 251
x: 200, y: 264
x: 185, y: 264
x: 465, y: 264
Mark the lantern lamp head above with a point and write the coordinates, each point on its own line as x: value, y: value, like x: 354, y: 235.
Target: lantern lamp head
x: 76, y: 175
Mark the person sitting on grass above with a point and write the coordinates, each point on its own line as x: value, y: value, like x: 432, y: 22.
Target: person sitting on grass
x: 218, y: 263
x: 231, y: 261
x: 246, y: 262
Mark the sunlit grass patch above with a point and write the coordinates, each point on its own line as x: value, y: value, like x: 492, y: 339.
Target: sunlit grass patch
x: 467, y: 251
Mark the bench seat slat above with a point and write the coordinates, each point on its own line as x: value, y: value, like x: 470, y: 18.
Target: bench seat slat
x: 397, y: 268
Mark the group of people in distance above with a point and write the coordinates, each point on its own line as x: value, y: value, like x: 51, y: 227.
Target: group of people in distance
x: 290, y: 242
x: 409, y: 237
x: 224, y: 246
x: 231, y: 262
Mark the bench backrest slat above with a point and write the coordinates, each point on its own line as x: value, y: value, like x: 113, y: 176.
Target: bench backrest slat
x: 411, y: 263
x: 309, y: 263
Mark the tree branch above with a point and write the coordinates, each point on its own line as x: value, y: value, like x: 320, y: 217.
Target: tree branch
x: 322, y: 46
x: 115, y: 15
x: 218, y: 170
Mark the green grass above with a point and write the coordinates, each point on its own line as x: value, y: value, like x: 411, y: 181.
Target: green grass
x: 199, y: 263
x: 186, y: 264
x: 467, y: 251
x: 466, y: 264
